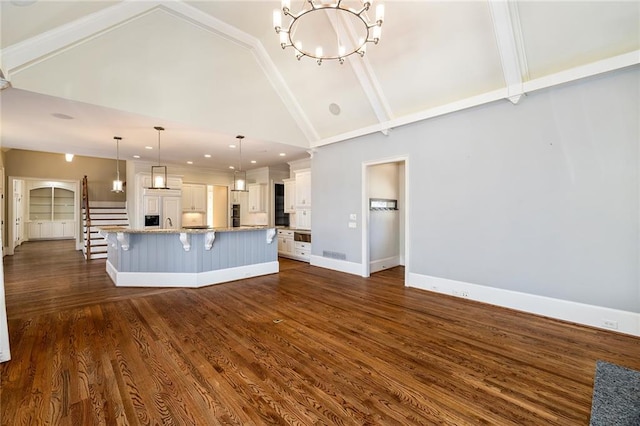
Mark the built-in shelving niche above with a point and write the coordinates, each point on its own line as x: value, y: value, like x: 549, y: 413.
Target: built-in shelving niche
x: 382, y: 204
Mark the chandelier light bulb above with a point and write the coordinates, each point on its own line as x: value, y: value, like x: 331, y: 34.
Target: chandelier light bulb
x: 319, y: 51
x: 341, y: 50
x: 286, y: 5
x: 377, y: 33
x: 277, y: 20
x: 379, y: 14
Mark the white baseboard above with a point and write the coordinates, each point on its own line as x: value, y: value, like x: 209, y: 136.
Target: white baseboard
x: 336, y: 265
x: 382, y: 264
x: 580, y: 313
x: 189, y: 279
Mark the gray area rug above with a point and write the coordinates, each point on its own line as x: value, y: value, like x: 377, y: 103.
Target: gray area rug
x: 616, y: 396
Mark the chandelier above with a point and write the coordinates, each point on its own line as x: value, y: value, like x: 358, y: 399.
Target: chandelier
x: 159, y: 173
x: 117, y: 183
x: 345, y: 20
x: 239, y: 177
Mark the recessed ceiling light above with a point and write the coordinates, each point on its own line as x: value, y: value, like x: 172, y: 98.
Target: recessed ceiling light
x: 136, y: 156
x: 282, y: 154
x: 232, y: 146
x: 189, y: 162
x: 253, y: 161
x: 207, y: 156
x: 148, y: 147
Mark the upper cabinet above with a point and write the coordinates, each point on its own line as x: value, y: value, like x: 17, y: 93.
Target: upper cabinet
x: 257, y: 198
x: 303, y: 189
x: 289, y: 195
x: 194, y: 198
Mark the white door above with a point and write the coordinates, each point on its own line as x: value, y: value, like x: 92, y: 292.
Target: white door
x: 171, y: 213
x: 18, y: 212
x: 2, y: 192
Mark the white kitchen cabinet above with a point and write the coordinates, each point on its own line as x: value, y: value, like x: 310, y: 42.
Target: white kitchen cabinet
x: 194, y: 198
x: 303, y: 189
x: 303, y: 219
x: 40, y: 229
x: 302, y: 250
x: 285, y: 242
x: 46, y: 229
x: 257, y: 198
x: 289, y: 195
x: 171, y: 213
x: 151, y: 205
x: 63, y: 229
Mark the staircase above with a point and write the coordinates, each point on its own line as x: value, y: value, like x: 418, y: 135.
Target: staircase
x: 101, y: 213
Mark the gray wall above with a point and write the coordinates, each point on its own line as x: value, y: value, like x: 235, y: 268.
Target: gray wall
x: 540, y: 197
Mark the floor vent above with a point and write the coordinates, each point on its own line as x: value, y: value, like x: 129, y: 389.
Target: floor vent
x: 334, y: 255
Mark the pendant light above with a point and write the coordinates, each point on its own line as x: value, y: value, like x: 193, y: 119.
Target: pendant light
x: 159, y: 173
x: 239, y: 177
x: 117, y: 184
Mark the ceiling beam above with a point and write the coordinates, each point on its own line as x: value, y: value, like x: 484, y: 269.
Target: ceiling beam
x: 364, y: 73
x: 510, y: 47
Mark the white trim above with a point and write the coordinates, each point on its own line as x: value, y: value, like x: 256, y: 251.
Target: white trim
x: 584, y: 71
x: 580, y: 313
x: 5, y: 349
x: 336, y: 265
x: 366, y: 256
x: 382, y: 264
x: 189, y: 279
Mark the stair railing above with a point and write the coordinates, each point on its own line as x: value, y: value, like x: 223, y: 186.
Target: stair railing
x: 85, y: 204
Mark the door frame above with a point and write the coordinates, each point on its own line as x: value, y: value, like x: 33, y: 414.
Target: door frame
x: 404, y: 188
x: 77, y: 200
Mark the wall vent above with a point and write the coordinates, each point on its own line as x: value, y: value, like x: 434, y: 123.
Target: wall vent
x: 334, y: 255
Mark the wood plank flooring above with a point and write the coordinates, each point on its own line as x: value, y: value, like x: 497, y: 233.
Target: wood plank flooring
x: 306, y: 346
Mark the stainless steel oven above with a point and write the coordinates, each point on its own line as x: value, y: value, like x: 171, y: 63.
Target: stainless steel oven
x: 152, y: 221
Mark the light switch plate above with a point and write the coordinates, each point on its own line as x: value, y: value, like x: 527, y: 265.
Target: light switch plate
x: 352, y: 224
x: 353, y: 216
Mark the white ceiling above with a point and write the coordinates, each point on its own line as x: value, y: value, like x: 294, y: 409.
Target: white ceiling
x: 209, y: 70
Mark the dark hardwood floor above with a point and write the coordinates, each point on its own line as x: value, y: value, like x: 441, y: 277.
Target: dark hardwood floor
x: 305, y: 346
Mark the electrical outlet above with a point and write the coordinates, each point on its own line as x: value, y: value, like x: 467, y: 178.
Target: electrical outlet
x: 464, y: 293
x: 610, y: 324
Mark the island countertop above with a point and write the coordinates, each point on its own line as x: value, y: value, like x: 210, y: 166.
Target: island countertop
x: 112, y: 229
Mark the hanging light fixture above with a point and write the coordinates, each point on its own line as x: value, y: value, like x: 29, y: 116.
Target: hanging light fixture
x: 239, y: 177
x: 159, y: 173
x: 367, y: 31
x: 117, y: 184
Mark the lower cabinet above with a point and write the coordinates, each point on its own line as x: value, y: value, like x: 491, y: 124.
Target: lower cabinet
x: 302, y: 250
x: 285, y: 242
x: 288, y: 247
x: 46, y: 230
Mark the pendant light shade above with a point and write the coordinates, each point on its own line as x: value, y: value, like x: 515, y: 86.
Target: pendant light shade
x: 159, y: 173
x: 239, y: 177
x: 117, y: 183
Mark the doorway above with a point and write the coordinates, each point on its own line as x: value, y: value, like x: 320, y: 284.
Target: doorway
x: 385, y: 201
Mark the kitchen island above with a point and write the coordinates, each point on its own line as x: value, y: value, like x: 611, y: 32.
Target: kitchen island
x: 188, y: 257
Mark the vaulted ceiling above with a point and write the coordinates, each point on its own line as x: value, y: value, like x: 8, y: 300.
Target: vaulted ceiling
x: 83, y: 72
